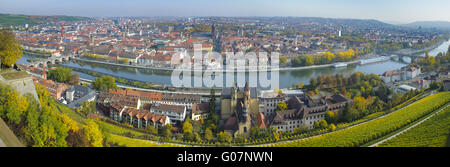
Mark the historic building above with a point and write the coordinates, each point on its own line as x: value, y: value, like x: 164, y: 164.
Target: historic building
x: 304, y: 114
x: 56, y: 89
x: 238, y: 107
x: 200, y: 111
x: 140, y: 118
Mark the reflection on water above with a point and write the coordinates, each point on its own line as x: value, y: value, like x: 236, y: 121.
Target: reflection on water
x: 286, y: 78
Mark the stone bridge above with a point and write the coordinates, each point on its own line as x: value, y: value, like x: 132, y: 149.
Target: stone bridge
x: 51, y: 60
x: 412, y: 54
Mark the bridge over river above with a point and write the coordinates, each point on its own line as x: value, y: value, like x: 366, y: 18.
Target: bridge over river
x: 50, y: 60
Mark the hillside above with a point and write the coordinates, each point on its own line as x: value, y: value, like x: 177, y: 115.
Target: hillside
x: 432, y: 133
x: 14, y: 19
x: 429, y: 24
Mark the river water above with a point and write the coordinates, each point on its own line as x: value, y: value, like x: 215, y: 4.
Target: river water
x: 286, y: 78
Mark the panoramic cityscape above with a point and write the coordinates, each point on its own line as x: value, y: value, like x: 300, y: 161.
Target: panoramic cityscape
x: 216, y: 74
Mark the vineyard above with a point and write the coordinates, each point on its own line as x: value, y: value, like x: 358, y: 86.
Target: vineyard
x: 364, y: 133
x: 434, y: 132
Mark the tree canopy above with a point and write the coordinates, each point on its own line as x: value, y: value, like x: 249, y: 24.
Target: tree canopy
x: 10, y: 49
x: 92, y: 131
x: 60, y: 74
x: 105, y: 83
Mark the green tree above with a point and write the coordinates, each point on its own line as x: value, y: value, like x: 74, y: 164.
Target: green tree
x: 332, y: 127
x: 309, y: 60
x: 434, y: 85
x: 32, y: 114
x: 254, y: 132
x: 331, y: 117
x: 166, y: 131
x: 224, y: 137
x: 88, y: 107
x: 208, y: 134
x: 13, y: 106
x: 60, y: 74
x: 283, y: 60
x: 187, y: 130
x: 105, y: 83
x: 152, y: 130
x: 75, y: 79
x: 10, y: 49
x: 212, y: 101
x: 313, y: 83
x: 323, y: 124
x: 316, y: 124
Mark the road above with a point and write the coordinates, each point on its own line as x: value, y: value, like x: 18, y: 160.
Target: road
x: 404, y: 130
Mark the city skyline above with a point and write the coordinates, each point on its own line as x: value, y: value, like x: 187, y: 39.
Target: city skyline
x: 396, y: 12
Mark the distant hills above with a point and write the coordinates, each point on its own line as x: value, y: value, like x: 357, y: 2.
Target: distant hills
x: 429, y: 24
x: 15, y: 19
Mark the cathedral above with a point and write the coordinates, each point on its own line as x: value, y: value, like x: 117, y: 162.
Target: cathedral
x: 239, y: 107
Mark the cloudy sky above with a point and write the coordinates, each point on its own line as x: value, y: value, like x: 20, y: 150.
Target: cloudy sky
x: 394, y: 11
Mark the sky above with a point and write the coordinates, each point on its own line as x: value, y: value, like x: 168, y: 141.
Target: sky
x: 391, y: 11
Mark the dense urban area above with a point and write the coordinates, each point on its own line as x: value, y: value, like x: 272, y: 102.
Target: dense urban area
x: 46, y: 102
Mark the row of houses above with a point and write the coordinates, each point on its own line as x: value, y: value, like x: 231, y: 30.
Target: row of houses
x: 140, y: 118
x: 405, y: 73
x: 174, y: 107
x: 55, y: 89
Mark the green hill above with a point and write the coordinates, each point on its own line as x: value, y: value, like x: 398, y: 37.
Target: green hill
x: 15, y: 19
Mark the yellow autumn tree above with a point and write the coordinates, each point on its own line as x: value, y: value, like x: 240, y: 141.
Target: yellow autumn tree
x: 69, y: 122
x: 93, y: 133
x: 10, y: 49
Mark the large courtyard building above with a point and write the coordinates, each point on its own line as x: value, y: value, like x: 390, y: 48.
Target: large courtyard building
x: 300, y: 114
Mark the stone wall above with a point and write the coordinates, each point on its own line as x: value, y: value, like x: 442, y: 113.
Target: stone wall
x: 23, y: 86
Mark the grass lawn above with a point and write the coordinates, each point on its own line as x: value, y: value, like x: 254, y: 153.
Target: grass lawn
x: 15, y: 75
x: 129, y: 142
x: 71, y: 113
x: 114, y: 129
x: 8, y: 137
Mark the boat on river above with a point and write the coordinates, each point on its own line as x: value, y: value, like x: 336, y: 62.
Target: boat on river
x: 339, y: 65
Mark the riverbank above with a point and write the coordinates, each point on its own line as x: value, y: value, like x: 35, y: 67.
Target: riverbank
x: 36, y: 54
x: 411, y: 51
x: 186, y: 91
x: 128, y: 84
x: 219, y: 70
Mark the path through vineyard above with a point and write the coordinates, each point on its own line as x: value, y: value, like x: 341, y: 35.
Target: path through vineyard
x: 404, y: 130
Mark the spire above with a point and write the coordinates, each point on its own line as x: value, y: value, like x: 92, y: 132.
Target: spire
x: 44, y: 76
x: 247, y: 87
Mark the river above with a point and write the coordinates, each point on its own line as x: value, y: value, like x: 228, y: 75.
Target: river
x: 286, y: 78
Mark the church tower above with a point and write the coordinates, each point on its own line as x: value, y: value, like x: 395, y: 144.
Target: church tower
x: 247, y: 91
x: 62, y: 33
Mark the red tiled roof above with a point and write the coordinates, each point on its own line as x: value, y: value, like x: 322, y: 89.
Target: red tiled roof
x: 261, y: 121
